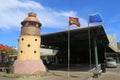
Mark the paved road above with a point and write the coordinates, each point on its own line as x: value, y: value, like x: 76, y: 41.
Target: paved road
x: 117, y: 70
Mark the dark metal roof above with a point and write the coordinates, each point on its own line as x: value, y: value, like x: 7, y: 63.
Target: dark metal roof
x: 78, y: 37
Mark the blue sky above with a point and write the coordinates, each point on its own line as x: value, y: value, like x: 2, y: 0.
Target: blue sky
x: 53, y: 14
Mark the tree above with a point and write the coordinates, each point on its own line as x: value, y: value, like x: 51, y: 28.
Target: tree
x: 5, y: 52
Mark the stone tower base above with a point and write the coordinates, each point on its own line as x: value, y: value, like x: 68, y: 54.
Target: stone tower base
x: 28, y: 66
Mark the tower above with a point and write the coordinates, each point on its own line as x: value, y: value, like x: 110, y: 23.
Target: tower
x: 28, y: 58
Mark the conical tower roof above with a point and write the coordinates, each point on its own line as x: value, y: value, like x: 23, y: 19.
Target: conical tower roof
x: 31, y: 17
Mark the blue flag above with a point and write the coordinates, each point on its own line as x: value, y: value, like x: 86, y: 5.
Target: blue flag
x: 96, y: 18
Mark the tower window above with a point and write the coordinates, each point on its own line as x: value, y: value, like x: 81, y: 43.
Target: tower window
x: 35, y: 51
x: 27, y: 24
x: 21, y: 51
x: 32, y: 23
x: 35, y: 39
x: 37, y: 25
x: 22, y: 39
x: 28, y: 45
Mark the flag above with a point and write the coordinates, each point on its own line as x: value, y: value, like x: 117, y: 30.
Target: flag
x: 95, y: 18
x: 74, y: 21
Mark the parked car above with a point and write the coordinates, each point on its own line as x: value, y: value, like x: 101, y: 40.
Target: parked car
x: 111, y: 62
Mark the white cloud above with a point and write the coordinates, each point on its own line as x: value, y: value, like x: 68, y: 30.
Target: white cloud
x: 12, y: 12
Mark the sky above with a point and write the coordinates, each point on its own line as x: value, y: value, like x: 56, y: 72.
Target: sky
x: 54, y: 16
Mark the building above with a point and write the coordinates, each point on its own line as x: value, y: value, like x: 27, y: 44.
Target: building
x: 49, y: 56
x: 84, y: 47
x: 113, y: 47
x: 28, y: 58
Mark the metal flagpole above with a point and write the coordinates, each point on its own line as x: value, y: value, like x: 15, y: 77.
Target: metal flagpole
x: 96, y: 54
x: 68, y: 52
x: 76, y: 22
x: 89, y: 43
x: 95, y: 18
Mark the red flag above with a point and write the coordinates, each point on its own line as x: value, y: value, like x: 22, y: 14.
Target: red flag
x: 74, y: 21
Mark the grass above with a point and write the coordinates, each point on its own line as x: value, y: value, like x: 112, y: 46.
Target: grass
x: 14, y: 75
x: 38, y: 73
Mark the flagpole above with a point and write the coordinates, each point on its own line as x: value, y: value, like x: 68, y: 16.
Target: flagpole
x: 96, y: 18
x: 68, y: 52
x: 89, y: 43
x: 71, y: 22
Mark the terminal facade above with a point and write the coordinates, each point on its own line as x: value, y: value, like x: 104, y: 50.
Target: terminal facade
x: 82, y: 45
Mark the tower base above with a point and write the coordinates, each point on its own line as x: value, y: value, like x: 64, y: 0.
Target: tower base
x: 28, y: 66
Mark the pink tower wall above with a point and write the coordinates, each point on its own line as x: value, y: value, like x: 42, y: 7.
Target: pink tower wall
x: 23, y: 66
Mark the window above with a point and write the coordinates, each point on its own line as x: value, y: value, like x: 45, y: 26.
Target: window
x: 35, y: 51
x: 21, y: 51
x: 37, y: 25
x: 32, y: 23
x: 35, y: 39
x: 22, y: 39
x: 27, y: 24
x: 28, y: 45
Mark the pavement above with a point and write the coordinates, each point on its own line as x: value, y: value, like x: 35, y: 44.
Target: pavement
x: 76, y: 73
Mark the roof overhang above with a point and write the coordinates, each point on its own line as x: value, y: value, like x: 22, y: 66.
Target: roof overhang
x: 114, y: 49
x: 78, y: 37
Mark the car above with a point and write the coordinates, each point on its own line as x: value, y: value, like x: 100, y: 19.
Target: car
x: 111, y: 62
